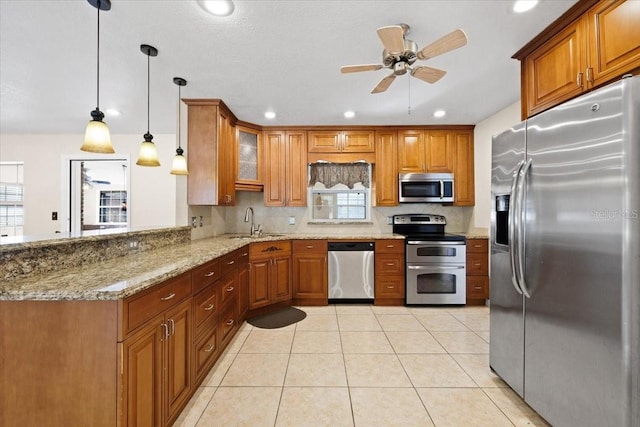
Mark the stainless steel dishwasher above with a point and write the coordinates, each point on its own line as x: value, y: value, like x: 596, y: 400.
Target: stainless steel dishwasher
x: 351, y: 270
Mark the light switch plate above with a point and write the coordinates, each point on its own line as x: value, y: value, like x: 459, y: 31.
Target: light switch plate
x: 292, y: 220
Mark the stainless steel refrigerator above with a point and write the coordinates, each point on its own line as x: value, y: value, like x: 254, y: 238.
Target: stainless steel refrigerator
x: 565, y: 259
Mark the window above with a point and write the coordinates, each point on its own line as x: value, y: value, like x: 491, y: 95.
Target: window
x: 11, y: 198
x: 113, y: 207
x: 345, y: 200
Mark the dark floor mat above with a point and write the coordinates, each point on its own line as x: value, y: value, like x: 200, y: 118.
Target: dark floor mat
x: 278, y: 319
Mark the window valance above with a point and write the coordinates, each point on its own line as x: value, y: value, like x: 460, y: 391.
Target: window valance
x: 331, y: 174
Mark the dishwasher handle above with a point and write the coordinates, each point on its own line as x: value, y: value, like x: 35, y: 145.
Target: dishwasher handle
x: 350, y: 246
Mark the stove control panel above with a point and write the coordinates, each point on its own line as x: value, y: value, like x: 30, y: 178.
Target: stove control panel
x: 419, y: 219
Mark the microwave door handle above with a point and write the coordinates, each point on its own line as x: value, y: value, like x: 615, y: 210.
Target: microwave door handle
x: 513, y: 203
x: 441, y: 189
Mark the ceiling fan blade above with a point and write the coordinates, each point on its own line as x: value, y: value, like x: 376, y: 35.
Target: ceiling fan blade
x: 444, y: 44
x: 428, y: 74
x: 357, y: 68
x: 384, y: 84
x: 392, y: 38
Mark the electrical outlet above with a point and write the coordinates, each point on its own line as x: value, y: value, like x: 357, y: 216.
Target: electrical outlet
x: 133, y: 244
x: 389, y: 220
x: 292, y: 220
x: 194, y: 222
x: 54, y: 216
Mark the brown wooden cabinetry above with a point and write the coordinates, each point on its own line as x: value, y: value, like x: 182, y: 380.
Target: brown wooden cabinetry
x: 310, y: 283
x: 477, y: 271
x: 212, y: 156
x: 592, y: 44
x: 336, y: 141
x: 411, y: 151
x: 389, y: 272
x: 270, y: 273
x: 243, y: 282
x: 463, y: 168
x: 386, y: 168
x: 248, y: 147
x: 285, y: 168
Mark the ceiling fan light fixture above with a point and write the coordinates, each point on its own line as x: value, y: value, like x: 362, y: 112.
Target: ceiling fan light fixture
x: 521, y: 6
x: 97, y: 138
x: 218, y: 7
x: 179, y: 164
x: 148, y: 154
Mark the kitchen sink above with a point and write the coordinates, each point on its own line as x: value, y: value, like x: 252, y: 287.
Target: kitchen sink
x: 247, y: 236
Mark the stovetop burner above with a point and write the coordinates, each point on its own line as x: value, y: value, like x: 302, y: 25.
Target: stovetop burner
x: 424, y: 227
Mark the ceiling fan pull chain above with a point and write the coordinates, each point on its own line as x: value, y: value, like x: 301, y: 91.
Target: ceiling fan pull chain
x: 409, y: 107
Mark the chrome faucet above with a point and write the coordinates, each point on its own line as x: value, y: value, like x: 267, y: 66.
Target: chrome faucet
x: 254, y: 230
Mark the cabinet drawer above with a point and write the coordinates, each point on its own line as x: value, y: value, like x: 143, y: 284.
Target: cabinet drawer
x: 205, y: 308
x: 141, y: 307
x: 477, y: 264
x: 269, y: 249
x: 205, y: 275
x: 206, y: 350
x: 478, y: 287
x: 309, y: 246
x: 242, y: 256
x: 227, y: 263
x: 390, y: 245
x: 392, y: 264
x: 228, y: 324
x: 389, y: 287
x: 478, y: 245
x: 228, y: 289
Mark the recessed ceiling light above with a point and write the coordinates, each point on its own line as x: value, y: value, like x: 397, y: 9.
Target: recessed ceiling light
x: 439, y: 113
x: 521, y: 6
x: 217, y: 7
x: 349, y: 114
x: 270, y: 115
x: 112, y: 112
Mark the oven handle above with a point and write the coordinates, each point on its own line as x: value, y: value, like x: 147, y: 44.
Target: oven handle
x: 422, y: 242
x: 427, y: 267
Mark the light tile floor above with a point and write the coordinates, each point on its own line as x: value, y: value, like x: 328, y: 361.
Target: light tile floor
x: 361, y: 365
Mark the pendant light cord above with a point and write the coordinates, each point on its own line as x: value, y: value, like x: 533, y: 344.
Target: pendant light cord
x: 179, y: 121
x: 148, y: 90
x: 98, y: 62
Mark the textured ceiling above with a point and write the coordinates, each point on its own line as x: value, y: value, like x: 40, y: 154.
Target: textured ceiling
x: 270, y: 54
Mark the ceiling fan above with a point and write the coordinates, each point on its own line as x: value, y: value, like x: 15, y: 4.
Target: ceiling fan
x: 400, y: 53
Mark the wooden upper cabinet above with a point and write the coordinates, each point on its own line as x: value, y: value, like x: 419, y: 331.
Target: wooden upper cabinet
x: 593, y: 43
x: 248, y: 175
x: 463, y: 170
x: 285, y: 168
x: 211, y: 153
x: 614, y: 39
x: 411, y: 151
x: 330, y: 141
x: 440, y: 151
x: 386, y: 168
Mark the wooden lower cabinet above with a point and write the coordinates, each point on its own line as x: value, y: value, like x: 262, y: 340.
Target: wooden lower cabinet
x: 477, y: 271
x: 310, y: 275
x: 389, y: 272
x: 270, y: 273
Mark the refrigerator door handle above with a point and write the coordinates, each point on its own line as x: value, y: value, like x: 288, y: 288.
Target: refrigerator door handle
x: 513, y: 228
x: 522, y: 182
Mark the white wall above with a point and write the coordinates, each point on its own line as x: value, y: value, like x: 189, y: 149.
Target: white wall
x: 483, y: 133
x: 153, y: 190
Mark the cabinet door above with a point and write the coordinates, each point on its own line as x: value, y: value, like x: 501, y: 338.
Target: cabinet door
x: 274, y: 169
x: 281, y: 279
x: 259, y: 294
x: 227, y: 162
x: 247, y: 153
x: 178, y: 359
x: 296, y: 169
x: 358, y: 142
x: 411, y: 151
x: 439, y: 151
x: 324, y: 141
x: 386, y: 168
x: 555, y: 71
x: 463, y: 170
x: 202, y: 155
x: 310, y: 276
x: 614, y: 39
x: 243, y: 291
x: 142, y: 373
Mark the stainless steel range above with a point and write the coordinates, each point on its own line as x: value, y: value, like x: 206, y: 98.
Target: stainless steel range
x: 435, y: 260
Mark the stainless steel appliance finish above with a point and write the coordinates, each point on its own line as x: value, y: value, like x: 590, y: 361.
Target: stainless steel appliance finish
x: 565, y: 259
x: 425, y: 187
x: 351, y: 271
x: 435, y: 261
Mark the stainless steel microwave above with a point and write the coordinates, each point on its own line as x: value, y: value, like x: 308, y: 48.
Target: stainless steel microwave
x: 425, y: 187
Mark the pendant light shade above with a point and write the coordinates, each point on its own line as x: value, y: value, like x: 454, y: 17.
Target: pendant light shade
x: 96, y: 137
x: 179, y: 166
x: 148, y: 155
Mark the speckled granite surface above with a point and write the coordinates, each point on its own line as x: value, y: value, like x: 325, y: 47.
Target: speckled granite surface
x: 123, y: 276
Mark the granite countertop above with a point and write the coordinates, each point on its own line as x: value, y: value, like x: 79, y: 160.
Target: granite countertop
x: 124, y: 276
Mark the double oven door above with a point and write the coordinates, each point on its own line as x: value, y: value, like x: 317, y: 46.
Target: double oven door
x: 436, y: 272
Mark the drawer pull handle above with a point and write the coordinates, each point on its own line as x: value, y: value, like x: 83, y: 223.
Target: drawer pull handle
x: 390, y: 264
x: 230, y: 288
x: 211, y: 273
x: 477, y: 264
x: 245, y: 254
x: 231, y: 262
x: 168, y: 297
x: 391, y: 246
x: 477, y: 246
x: 477, y: 287
x: 229, y: 322
x: 390, y: 287
x: 309, y: 246
x: 209, y: 307
x: 209, y: 348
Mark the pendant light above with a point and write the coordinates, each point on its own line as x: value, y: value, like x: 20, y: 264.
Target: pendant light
x: 148, y: 155
x: 179, y: 166
x: 96, y: 137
